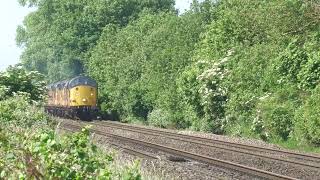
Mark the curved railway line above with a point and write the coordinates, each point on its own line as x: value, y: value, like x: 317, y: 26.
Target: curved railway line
x: 188, y: 155
x: 306, y: 160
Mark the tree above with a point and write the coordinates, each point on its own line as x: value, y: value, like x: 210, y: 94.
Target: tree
x: 137, y: 66
x: 58, y: 34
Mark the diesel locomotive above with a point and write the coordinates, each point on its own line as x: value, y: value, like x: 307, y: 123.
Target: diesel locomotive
x: 75, y: 98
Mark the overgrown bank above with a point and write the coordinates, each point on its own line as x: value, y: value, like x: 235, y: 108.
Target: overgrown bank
x: 245, y: 68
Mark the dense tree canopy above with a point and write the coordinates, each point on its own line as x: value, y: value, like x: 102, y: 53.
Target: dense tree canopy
x: 247, y: 68
x: 143, y: 59
x: 58, y: 34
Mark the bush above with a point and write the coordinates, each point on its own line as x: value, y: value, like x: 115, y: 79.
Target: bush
x: 17, y: 110
x: 42, y: 154
x: 310, y: 73
x: 18, y: 80
x: 159, y: 118
x: 30, y: 148
x: 307, y: 119
x: 275, y: 114
x: 291, y: 60
x: 277, y: 121
x: 201, y: 86
x: 299, y: 62
x: 3, y: 92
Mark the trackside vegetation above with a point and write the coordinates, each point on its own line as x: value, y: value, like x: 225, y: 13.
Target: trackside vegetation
x: 246, y: 68
x: 31, y: 147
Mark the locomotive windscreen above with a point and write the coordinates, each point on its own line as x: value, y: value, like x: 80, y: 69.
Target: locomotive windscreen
x: 82, y: 80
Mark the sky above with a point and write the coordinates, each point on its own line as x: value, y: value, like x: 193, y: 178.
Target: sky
x: 12, y: 15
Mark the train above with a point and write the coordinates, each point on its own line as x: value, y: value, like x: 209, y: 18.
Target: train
x: 74, y: 98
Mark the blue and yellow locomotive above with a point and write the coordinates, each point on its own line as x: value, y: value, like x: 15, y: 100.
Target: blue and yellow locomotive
x: 75, y: 98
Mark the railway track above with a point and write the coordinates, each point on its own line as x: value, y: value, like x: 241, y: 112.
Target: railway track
x: 305, y: 160
x: 139, y: 154
x: 188, y: 155
x: 125, y: 149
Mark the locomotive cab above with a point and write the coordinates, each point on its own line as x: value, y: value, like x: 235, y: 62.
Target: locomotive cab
x: 83, y: 92
x: 83, y: 97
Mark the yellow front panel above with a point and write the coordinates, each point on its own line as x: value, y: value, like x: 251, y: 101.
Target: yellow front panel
x: 83, y: 96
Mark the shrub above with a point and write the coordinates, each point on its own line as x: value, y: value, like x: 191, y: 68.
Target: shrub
x: 281, y: 121
x: 291, y: 60
x: 307, y: 121
x: 309, y: 75
x: 274, y: 117
x: 299, y: 62
x: 201, y: 87
x: 159, y: 118
x: 17, y: 110
x: 31, y: 149
x: 17, y: 80
x: 43, y: 154
x: 3, y: 92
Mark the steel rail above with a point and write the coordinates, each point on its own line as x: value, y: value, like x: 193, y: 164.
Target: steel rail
x: 134, y: 152
x: 196, y: 157
x: 146, y: 155
x: 221, y: 142
x: 191, y: 140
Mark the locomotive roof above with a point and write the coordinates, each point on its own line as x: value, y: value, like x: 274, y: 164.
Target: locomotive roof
x: 76, y: 81
x: 62, y: 84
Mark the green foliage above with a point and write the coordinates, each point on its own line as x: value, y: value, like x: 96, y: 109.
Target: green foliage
x: 46, y: 155
x: 17, y: 80
x: 299, y: 62
x: 150, y: 53
x: 274, y: 47
x: 30, y: 148
x: 274, y: 118
x: 159, y: 118
x: 3, y: 92
x: 18, y: 110
x: 291, y: 61
x: 72, y: 156
x: 56, y: 41
x: 227, y: 66
x: 307, y: 120
x: 131, y: 173
x: 202, y: 88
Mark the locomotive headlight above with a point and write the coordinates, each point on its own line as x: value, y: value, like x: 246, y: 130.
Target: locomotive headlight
x: 84, y: 100
x: 91, y: 94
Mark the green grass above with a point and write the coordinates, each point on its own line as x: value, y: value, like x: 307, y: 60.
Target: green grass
x: 295, y: 145
x: 242, y: 129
